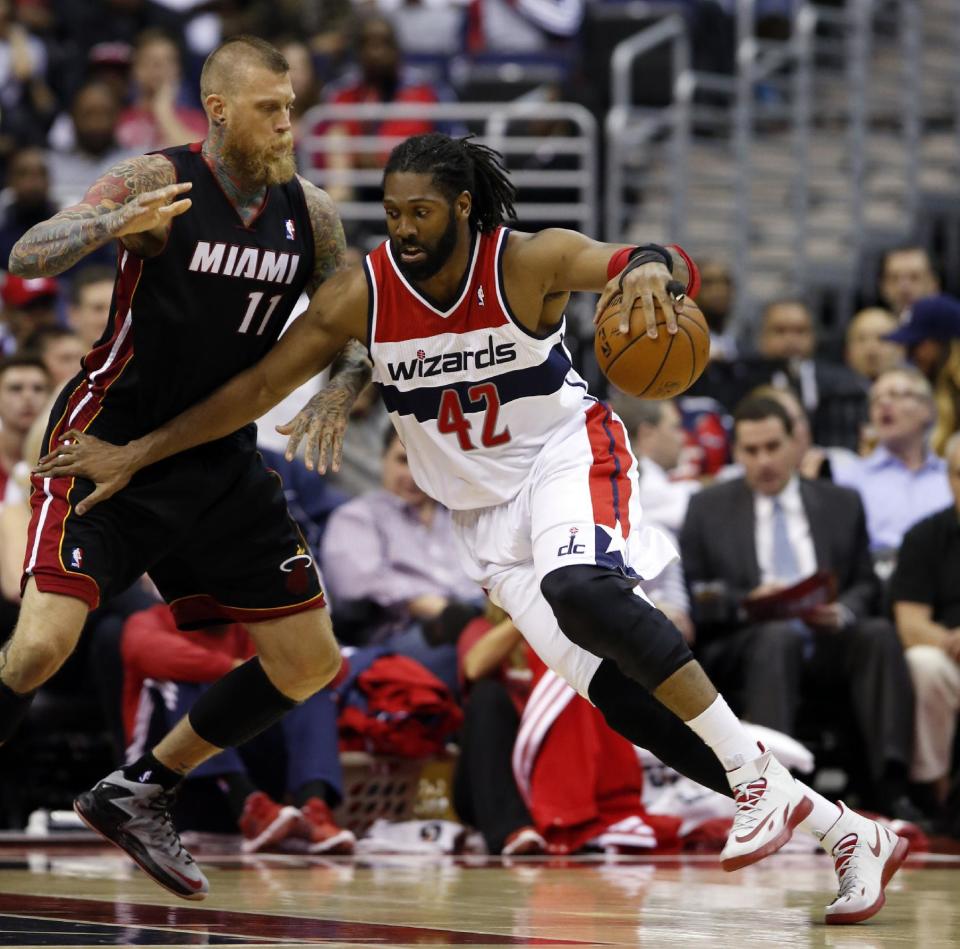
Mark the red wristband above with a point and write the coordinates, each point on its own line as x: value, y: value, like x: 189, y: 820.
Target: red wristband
x: 618, y: 261
x: 693, y: 284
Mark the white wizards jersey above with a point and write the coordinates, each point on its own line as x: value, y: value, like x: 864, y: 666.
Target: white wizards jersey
x: 473, y: 394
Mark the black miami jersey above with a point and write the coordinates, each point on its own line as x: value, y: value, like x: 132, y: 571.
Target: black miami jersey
x: 208, y: 306
x: 209, y: 525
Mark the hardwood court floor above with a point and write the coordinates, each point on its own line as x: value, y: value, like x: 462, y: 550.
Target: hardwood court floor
x: 96, y: 898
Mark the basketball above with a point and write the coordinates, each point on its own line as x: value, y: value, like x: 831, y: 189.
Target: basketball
x: 658, y: 368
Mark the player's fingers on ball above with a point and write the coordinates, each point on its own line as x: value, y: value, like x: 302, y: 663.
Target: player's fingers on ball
x: 666, y: 304
x: 626, y: 312
x: 649, y: 313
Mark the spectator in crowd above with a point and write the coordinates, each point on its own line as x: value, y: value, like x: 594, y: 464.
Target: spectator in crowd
x: 379, y: 77
x: 26, y: 101
x: 29, y: 202
x: 906, y: 275
x: 304, y: 80
x: 813, y: 461
x: 526, y: 26
x: 362, y: 445
x: 391, y: 567
x: 495, y: 678
x: 930, y: 331
x: 434, y: 26
x: 157, y: 118
x: 28, y: 303
x: 869, y: 350
x: 902, y: 480
x: 94, y: 111
x: 110, y: 63
x: 715, y: 300
x: 658, y: 439
x: 926, y: 604
x: 756, y: 535
x: 24, y: 391
x: 166, y: 670
x: 833, y: 396
x: 59, y: 349
x: 88, y: 307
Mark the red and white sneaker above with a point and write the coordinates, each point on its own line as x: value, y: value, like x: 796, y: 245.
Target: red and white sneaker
x: 323, y: 835
x: 524, y: 842
x: 866, y: 855
x: 770, y: 804
x: 264, y: 823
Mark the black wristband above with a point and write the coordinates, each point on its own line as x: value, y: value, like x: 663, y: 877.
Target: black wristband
x: 646, y: 254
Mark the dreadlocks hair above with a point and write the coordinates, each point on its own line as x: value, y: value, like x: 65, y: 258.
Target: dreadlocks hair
x: 457, y: 165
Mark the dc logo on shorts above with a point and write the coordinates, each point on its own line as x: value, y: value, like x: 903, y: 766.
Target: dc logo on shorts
x: 571, y: 547
x: 76, y: 558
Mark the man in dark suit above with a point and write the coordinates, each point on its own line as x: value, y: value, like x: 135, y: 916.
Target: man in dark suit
x: 757, y: 534
x: 834, y: 396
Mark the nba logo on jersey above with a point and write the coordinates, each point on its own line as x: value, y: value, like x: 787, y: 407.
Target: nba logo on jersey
x: 480, y: 296
x: 291, y: 230
x: 76, y: 558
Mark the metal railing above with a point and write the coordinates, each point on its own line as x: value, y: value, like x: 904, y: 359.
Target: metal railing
x: 801, y: 164
x: 347, y: 164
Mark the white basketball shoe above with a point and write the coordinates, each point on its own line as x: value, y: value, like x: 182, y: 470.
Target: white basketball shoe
x: 770, y: 804
x: 866, y: 855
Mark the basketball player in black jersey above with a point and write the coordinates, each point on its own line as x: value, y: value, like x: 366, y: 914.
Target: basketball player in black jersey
x: 217, y: 240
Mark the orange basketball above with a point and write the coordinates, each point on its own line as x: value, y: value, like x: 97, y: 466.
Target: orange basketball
x: 658, y: 368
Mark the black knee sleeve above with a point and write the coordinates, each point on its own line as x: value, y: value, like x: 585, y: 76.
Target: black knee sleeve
x: 239, y: 706
x: 13, y: 710
x: 598, y: 610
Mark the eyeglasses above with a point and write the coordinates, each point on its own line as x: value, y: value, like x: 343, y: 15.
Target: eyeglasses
x: 896, y: 395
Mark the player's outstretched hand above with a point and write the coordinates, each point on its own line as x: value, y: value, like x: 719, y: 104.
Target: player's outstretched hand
x: 151, y: 209
x: 322, y: 422
x: 79, y: 454
x: 646, y: 283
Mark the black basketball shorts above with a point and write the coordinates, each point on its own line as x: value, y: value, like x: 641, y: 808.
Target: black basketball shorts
x: 210, y: 526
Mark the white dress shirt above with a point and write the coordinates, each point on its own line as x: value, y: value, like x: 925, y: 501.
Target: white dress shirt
x: 664, y: 502
x: 798, y: 530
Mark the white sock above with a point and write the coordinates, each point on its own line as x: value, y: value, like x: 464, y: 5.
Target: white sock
x: 823, y: 816
x: 723, y: 733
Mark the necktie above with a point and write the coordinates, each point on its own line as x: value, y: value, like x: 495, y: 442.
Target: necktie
x: 784, y: 556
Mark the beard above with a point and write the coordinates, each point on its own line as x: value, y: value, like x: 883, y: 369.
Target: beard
x: 257, y: 166
x: 435, y: 255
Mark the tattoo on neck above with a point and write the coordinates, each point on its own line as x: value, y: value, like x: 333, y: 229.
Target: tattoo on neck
x: 247, y: 199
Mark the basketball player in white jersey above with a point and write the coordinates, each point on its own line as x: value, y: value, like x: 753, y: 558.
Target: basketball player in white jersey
x: 463, y: 320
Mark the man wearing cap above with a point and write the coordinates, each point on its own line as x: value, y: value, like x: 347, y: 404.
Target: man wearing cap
x: 925, y: 331
x: 27, y: 305
x: 930, y: 332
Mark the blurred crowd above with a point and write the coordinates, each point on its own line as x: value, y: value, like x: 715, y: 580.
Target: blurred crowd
x: 812, y: 489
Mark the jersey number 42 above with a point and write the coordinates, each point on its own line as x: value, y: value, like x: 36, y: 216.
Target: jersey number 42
x: 452, y: 420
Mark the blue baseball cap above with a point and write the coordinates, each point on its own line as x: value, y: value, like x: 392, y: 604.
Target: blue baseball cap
x: 930, y: 318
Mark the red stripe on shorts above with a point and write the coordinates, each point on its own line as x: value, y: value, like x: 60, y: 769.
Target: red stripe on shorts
x: 609, y: 482
x: 50, y: 498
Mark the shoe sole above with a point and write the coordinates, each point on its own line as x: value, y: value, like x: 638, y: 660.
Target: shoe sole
x: 281, y: 828
x: 800, y: 814
x: 341, y: 844
x: 893, y: 864
x: 193, y: 896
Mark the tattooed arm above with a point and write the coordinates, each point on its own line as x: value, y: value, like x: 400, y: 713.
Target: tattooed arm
x: 135, y: 201
x: 351, y: 370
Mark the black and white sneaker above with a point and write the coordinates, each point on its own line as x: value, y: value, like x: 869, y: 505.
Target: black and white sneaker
x: 136, y: 817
